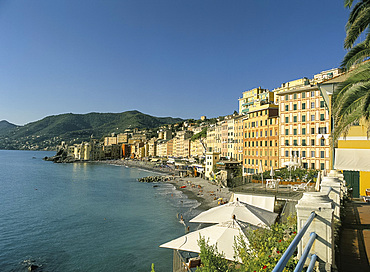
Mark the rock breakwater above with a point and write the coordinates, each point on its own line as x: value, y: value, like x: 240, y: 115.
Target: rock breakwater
x: 155, y: 179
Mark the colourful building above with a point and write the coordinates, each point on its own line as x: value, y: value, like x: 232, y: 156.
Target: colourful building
x: 260, y: 131
x: 353, y: 157
x: 304, y: 125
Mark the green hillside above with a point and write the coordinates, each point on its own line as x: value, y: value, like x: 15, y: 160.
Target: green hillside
x: 51, y: 130
x: 6, y: 127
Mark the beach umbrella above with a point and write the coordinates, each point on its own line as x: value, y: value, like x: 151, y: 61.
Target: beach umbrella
x: 222, y: 234
x: 244, y: 212
x: 272, y: 174
x: 318, y: 181
x: 290, y: 164
x: 260, y: 170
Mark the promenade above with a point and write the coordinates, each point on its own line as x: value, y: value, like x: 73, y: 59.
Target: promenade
x: 354, y: 241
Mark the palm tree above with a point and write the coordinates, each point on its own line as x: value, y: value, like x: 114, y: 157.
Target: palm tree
x: 351, y: 101
x: 358, y: 22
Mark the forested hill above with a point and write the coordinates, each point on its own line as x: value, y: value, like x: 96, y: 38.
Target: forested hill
x: 51, y: 130
x: 5, y: 127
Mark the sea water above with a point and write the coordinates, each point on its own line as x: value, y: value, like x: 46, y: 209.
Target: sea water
x: 84, y: 216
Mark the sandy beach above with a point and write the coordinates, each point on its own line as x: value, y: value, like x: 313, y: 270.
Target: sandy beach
x: 206, y: 192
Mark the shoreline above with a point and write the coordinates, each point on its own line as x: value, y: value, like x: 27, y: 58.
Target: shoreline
x: 204, y: 191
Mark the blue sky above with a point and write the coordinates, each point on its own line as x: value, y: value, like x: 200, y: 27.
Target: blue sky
x: 178, y: 58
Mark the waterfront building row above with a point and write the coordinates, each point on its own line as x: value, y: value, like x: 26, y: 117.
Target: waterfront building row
x: 272, y: 128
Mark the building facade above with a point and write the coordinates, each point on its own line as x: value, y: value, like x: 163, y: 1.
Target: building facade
x: 304, y: 125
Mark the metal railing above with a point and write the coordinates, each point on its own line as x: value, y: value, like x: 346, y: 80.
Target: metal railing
x: 292, y: 247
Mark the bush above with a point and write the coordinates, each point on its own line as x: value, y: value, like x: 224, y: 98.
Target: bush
x: 261, y: 253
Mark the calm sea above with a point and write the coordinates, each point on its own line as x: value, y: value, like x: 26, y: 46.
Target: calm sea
x: 84, y: 217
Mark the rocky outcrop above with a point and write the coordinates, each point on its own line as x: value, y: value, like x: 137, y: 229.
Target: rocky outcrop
x: 154, y: 179
x: 61, y: 157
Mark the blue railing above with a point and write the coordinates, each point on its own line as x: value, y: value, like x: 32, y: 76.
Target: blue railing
x: 292, y: 247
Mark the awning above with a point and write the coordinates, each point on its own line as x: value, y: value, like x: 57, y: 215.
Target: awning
x: 352, y: 159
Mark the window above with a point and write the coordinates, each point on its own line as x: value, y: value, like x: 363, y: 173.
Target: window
x: 294, y: 106
x: 286, y: 97
x: 322, y: 130
x: 295, y: 119
x: 270, y: 143
x: 304, y: 154
x: 286, y: 107
x: 322, y: 166
x: 312, y: 105
x: 304, y: 142
x: 312, y: 93
x: 303, y: 95
x: 312, y: 130
x: 295, y: 131
x: 322, y: 154
x: 303, y: 131
x: 287, y: 119
x: 322, y: 117
x: 287, y: 131
x: 312, y: 142
x: 295, y: 142
x: 303, y: 118
x: 313, y: 117
x: 295, y: 96
x: 313, y: 165
x: 312, y: 154
x: 322, y: 104
x: 287, y: 142
x: 322, y: 141
x: 286, y: 153
x: 265, y: 143
x: 265, y: 133
x: 303, y: 106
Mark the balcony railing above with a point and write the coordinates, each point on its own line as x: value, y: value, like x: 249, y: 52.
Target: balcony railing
x: 292, y: 247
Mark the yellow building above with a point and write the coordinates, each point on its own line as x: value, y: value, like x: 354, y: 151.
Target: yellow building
x: 353, y: 157
x: 248, y: 101
x: 110, y: 140
x: 260, y: 131
x: 353, y: 151
x: 304, y: 126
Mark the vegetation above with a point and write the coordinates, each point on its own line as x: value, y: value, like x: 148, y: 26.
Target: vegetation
x: 71, y: 128
x: 358, y: 22
x: 265, y: 248
x: 202, y: 134
x: 284, y: 173
x: 212, y: 260
x: 351, y: 101
x: 5, y: 127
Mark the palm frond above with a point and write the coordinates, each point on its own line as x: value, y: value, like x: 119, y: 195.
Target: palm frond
x: 351, y: 100
x: 348, y: 3
x: 356, y: 55
x: 357, y: 23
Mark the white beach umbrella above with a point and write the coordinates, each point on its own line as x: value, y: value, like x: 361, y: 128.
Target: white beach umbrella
x: 221, y: 234
x: 290, y: 164
x: 272, y: 173
x: 244, y: 212
x: 318, y: 182
x: 260, y: 170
